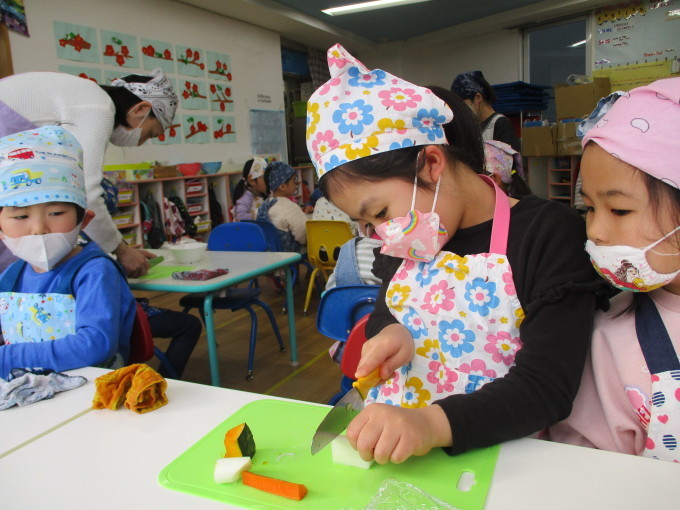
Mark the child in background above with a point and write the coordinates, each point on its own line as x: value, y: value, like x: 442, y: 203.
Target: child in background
x: 250, y: 191
x: 504, y: 165
x: 629, y: 399
x: 62, y: 305
x: 483, y: 320
x: 283, y: 213
x: 355, y: 263
x: 325, y: 210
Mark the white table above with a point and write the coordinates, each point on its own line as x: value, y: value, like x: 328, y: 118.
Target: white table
x: 243, y: 266
x: 110, y: 460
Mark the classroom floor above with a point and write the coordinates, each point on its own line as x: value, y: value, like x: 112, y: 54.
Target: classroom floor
x: 315, y: 379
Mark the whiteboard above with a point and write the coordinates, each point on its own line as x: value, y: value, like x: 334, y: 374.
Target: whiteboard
x: 268, y: 132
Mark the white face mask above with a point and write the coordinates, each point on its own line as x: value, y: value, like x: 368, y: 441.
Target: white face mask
x: 627, y: 268
x: 43, y: 251
x: 128, y: 137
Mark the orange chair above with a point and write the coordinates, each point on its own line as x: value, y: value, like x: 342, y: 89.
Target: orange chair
x: 324, y: 239
x: 142, y: 348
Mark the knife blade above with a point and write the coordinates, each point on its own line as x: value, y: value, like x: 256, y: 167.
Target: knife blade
x: 344, y: 411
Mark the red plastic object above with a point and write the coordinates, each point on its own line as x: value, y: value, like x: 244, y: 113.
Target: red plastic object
x: 189, y: 169
x: 352, y: 352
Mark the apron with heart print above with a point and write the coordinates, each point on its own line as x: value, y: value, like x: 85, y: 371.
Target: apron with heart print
x: 464, y: 316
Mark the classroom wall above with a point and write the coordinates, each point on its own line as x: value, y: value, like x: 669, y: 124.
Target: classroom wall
x: 255, y: 60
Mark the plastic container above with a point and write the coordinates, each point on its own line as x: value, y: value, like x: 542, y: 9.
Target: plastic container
x: 188, y: 253
x: 212, y: 167
x: 122, y: 219
x: 189, y: 169
x: 125, y: 196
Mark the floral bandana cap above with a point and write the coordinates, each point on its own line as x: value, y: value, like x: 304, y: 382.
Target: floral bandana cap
x: 502, y: 160
x: 641, y: 128
x: 279, y: 174
x: 41, y: 165
x: 257, y: 168
x: 158, y: 92
x: 359, y: 112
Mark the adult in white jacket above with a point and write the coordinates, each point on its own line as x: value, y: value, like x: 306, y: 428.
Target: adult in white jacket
x: 127, y: 113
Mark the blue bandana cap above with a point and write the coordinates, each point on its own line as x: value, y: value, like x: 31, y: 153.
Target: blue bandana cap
x: 279, y: 174
x: 41, y: 165
x: 466, y: 85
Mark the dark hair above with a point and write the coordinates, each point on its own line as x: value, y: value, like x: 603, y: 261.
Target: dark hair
x: 465, y: 146
x: 467, y: 92
x: 242, y: 185
x: 123, y: 99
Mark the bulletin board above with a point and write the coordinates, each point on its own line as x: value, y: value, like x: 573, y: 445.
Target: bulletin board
x: 268, y: 132
x: 636, y: 32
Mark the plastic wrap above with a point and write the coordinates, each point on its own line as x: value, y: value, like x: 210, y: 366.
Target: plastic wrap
x: 396, y: 495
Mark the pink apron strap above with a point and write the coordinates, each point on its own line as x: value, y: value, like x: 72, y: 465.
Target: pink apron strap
x: 501, y: 220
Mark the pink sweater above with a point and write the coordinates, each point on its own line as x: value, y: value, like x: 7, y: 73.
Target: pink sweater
x: 612, y: 407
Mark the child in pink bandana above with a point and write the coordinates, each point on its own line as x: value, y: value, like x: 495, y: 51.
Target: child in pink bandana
x: 629, y: 400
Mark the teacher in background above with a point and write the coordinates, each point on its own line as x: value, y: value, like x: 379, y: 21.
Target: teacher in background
x: 127, y: 113
x: 479, y: 96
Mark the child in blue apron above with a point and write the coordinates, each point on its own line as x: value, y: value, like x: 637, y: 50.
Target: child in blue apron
x: 62, y: 305
x: 629, y: 400
x: 483, y: 320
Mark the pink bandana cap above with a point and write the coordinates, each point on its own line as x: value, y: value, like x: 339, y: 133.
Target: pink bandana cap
x: 359, y: 112
x: 642, y: 128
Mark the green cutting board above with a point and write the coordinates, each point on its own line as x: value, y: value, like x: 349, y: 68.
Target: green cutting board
x: 283, y: 434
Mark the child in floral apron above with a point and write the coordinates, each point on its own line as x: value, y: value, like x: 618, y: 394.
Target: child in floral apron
x: 482, y: 324
x: 629, y: 400
x: 62, y: 305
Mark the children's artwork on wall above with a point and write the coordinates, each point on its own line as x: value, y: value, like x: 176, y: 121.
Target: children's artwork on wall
x: 219, y: 66
x: 268, y: 132
x: 76, y: 42
x: 220, y: 98
x: 111, y: 74
x: 89, y: 73
x: 170, y: 136
x: 190, y: 61
x: 195, y: 128
x: 194, y: 95
x: 158, y: 54
x: 223, y: 129
x: 13, y: 14
x: 119, y: 49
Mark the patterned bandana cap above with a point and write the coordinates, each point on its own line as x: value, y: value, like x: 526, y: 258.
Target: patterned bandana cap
x: 642, y: 128
x: 359, y: 112
x: 158, y: 92
x: 279, y: 174
x: 257, y: 169
x: 502, y: 160
x: 466, y: 85
x: 41, y: 165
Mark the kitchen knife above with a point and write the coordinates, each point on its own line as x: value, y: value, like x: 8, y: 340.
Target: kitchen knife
x: 344, y: 411
x: 155, y: 261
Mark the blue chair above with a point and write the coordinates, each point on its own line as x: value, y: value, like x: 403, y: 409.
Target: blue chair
x: 340, y: 310
x: 237, y: 237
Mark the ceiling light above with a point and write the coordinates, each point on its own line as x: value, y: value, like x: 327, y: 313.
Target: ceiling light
x: 368, y: 6
x: 577, y: 44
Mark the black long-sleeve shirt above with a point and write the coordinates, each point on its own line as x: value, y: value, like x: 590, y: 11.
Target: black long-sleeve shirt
x: 556, y: 286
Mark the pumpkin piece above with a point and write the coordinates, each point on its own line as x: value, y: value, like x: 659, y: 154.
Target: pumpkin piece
x: 239, y: 442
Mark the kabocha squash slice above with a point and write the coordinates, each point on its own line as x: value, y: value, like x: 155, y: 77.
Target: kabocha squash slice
x: 239, y: 442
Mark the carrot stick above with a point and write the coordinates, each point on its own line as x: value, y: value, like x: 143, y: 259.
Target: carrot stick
x: 283, y: 488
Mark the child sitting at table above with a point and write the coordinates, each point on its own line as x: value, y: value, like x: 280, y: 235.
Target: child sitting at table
x: 62, y: 305
x: 282, y: 212
x: 250, y: 191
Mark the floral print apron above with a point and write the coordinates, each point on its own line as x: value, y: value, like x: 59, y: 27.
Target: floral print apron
x: 464, y: 316
x: 663, y: 431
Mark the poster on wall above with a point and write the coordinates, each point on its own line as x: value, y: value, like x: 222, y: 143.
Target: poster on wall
x: 13, y: 15
x: 626, y: 78
x: 223, y: 129
x: 195, y: 128
x: 190, y: 61
x: 220, y: 98
x: 635, y: 32
x: 170, y: 136
x: 268, y: 132
x: 158, y: 54
x: 219, y: 66
x: 110, y: 75
x: 193, y: 95
x: 76, y: 42
x: 119, y: 49
x: 89, y: 73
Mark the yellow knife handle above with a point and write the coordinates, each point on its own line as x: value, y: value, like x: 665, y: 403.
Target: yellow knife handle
x: 363, y: 384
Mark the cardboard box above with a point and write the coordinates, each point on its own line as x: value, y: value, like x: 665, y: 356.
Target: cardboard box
x: 577, y: 101
x: 568, y: 144
x: 538, y: 141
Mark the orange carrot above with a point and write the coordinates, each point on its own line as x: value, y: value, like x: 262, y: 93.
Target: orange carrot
x: 283, y: 488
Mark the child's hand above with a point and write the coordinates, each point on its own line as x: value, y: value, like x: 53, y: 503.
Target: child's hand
x: 392, y: 434
x: 390, y: 349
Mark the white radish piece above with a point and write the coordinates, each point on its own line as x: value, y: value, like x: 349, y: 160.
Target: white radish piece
x: 343, y: 453
x: 229, y: 469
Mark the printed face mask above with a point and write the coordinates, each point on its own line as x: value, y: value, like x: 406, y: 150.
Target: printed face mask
x: 417, y: 236
x: 44, y: 251
x: 627, y: 268
x: 128, y: 137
